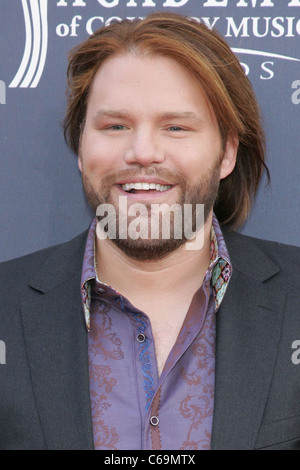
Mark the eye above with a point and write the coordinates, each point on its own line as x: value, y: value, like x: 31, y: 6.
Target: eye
x: 117, y: 127
x: 176, y: 128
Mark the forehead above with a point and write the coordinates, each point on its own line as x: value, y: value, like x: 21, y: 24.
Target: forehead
x: 132, y: 81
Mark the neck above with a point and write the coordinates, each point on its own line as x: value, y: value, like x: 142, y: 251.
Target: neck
x: 130, y: 276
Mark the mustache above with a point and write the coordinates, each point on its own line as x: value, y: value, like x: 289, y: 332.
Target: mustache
x: 114, y: 176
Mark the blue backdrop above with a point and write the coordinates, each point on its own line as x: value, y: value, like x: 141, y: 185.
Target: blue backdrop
x: 42, y: 202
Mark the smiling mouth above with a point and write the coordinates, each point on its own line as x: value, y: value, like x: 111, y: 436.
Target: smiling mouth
x: 133, y: 187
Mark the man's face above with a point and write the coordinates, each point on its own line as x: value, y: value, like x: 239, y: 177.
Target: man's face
x: 150, y: 135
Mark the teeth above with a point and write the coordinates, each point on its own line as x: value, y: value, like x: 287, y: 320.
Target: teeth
x: 145, y: 186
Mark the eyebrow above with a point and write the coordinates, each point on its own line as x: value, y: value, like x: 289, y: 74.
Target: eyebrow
x: 169, y: 115
x: 188, y: 115
x: 110, y: 113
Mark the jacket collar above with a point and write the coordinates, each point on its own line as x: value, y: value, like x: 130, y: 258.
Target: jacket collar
x: 247, y: 256
x: 62, y: 262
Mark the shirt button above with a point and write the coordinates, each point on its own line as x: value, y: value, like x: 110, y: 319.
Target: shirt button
x: 154, y: 420
x: 141, y: 337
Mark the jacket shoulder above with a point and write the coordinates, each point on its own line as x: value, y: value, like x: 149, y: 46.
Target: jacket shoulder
x: 20, y: 269
x: 278, y: 252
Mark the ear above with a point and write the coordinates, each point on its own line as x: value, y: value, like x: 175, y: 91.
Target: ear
x: 80, y: 164
x: 79, y: 147
x: 229, y: 157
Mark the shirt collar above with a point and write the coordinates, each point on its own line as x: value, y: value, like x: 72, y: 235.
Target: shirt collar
x: 220, y: 269
x: 218, y: 273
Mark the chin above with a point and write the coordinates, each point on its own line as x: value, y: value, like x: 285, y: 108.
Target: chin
x: 148, y: 250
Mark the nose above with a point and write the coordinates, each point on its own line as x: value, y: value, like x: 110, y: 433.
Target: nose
x: 144, y: 148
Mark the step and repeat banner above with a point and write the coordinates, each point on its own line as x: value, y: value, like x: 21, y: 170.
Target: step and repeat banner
x: 41, y: 198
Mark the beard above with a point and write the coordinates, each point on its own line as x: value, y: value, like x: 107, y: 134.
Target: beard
x: 150, y: 249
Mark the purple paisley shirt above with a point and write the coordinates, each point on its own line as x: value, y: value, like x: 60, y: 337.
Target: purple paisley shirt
x: 132, y: 406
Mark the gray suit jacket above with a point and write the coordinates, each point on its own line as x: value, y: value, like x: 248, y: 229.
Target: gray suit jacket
x: 44, y: 396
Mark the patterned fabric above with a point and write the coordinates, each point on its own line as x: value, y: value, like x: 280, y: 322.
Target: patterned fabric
x: 132, y: 406
x: 221, y: 267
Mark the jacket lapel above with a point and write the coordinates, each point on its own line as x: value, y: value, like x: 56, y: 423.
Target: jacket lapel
x: 56, y: 341
x: 248, y: 331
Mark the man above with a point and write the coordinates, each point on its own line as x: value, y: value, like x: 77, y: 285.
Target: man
x: 120, y: 341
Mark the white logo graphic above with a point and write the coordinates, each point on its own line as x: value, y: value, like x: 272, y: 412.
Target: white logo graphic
x: 36, y: 44
x: 265, y: 66
x: 263, y: 54
x: 36, y: 40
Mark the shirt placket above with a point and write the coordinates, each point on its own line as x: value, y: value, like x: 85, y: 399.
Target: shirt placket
x: 199, y: 306
x: 144, y: 360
